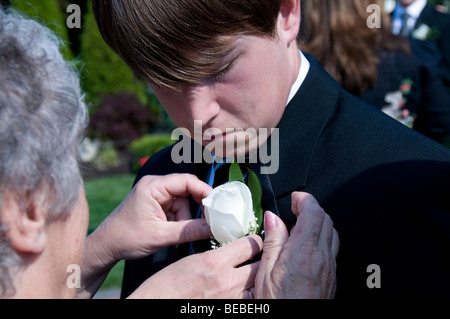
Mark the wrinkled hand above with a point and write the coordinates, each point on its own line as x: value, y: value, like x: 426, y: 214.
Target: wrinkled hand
x: 156, y: 214
x: 302, y: 265
x: 213, y: 274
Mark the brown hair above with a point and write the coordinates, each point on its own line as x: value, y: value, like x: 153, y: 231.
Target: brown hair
x: 336, y: 32
x: 173, y: 42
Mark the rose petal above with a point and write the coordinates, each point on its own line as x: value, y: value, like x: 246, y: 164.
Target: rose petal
x: 207, y: 202
x: 225, y: 227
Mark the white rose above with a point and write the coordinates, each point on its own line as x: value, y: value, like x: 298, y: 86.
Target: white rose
x: 229, y: 212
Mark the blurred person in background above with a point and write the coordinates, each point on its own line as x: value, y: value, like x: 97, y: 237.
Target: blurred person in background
x: 419, y: 20
x: 376, y: 65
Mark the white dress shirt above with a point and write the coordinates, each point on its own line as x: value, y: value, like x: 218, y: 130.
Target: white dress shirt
x: 303, y: 71
x: 413, y: 10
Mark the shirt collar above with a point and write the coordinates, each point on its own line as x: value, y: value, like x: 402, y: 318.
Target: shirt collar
x: 303, y: 71
x: 414, y: 9
x: 300, y: 127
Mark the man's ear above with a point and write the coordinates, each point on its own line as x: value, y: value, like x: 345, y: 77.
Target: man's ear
x: 289, y: 20
x: 25, y: 224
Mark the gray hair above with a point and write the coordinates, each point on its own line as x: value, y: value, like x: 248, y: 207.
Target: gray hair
x: 42, y: 120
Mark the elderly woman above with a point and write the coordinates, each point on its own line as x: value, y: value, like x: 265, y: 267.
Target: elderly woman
x: 44, y: 214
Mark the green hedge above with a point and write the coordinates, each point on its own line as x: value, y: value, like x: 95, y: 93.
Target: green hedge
x: 49, y: 13
x: 103, y: 71
x: 150, y: 144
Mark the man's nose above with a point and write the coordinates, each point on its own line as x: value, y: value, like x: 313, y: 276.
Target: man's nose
x: 201, y: 103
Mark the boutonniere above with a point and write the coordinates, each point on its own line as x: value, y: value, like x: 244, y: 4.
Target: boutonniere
x: 396, y: 104
x: 424, y: 32
x: 233, y: 210
x: 406, y: 85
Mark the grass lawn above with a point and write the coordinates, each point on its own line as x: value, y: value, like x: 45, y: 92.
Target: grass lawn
x: 103, y: 195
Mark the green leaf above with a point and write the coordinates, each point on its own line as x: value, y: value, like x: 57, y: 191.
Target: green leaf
x: 235, y: 173
x: 255, y: 188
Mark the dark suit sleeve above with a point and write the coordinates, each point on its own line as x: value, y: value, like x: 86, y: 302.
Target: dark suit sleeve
x: 441, y: 23
x: 432, y: 96
x: 433, y: 115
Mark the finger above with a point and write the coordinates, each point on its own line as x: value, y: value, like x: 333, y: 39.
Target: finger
x: 247, y: 275
x: 301, y: 201
x: 276, y: 235
x: 335, y: 244
x: 178, y: 210
x: 329, y: 237
x: 327, y: 232
x: 310, y: 218
x: 241, y: 250
x: 166, y: 187
x: 248, y: 293
x: 308, y: 227
x: 184, y: 231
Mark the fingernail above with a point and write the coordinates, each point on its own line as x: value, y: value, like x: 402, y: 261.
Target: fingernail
x: 269, y: 221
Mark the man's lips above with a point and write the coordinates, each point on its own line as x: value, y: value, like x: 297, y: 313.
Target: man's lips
x: 212, y: 135
x: 216, y: 137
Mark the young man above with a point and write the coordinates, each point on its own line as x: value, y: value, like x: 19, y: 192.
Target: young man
x: 236, y: 64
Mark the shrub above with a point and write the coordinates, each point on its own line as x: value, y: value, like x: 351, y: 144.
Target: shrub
x: 103, y: 70
x: 107, y: 157
x: 120, y: 118
x: 144, y: 147
x: 148, y: 144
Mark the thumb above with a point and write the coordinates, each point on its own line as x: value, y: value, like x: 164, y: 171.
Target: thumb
x: 185, y: 231
x: 276, y: 235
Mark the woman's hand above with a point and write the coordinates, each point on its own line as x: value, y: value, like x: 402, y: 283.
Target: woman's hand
x: 212, y: 274
x: 155, y: 214
x: 303, y: 264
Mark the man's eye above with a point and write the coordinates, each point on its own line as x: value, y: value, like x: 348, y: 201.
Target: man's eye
x: 221, y: 74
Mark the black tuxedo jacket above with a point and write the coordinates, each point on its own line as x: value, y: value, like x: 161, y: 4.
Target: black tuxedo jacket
x: 386, y: 187
x: 441, y: 21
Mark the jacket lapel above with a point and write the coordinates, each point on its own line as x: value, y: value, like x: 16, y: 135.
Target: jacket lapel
x: 301, y: 126
x: 425, y: 16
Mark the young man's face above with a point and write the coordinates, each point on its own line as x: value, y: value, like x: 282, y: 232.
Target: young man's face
x: 251, y: 92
